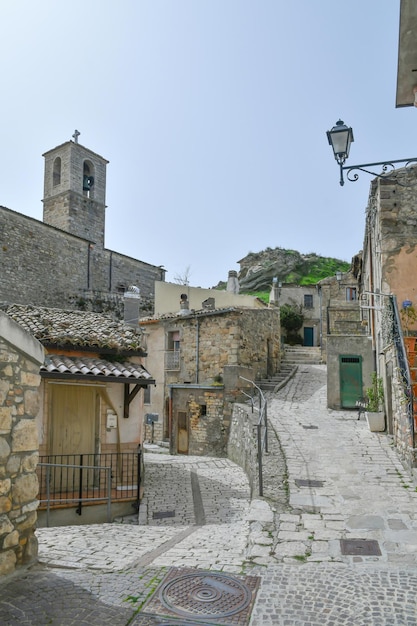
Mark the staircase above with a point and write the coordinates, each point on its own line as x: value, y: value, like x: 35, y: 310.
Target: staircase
x: 292, y: 357
x: 278, y: 380
x: 297, y: 355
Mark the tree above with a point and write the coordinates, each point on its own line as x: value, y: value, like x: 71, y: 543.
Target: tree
x: 184, y: 277
x: 292, y: 320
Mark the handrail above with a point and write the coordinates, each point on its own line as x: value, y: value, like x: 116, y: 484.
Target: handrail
x: 262, y: 439
x: 79, y: 499
x: 403, y: 362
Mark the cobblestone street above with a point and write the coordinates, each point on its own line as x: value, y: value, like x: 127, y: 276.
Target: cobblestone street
x: 334, y: 540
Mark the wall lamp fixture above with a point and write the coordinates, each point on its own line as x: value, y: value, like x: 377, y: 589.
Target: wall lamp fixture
x: 340, y: 138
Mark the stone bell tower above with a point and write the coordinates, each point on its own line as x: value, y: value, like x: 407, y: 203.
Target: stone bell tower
x: 75, y: 190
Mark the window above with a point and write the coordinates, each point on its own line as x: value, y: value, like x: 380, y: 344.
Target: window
x: 56, y: 174
x: 308, y: 301
x: 203, y: 410
x: 88, y: 179
x: 172, y: 354
x: 147, y: 395
x: 351, y: 294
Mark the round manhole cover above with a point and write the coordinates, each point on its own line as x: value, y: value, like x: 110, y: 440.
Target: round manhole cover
x: 211, y: 595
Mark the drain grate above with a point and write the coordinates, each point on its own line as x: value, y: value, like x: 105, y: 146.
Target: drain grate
x: 163, y: 514
x: 301, y: 482
x: 203, y: 597
x: 310, y: 427
x: 361, y: 547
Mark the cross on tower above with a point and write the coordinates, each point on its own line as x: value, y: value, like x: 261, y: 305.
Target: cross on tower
x: 76, y: 135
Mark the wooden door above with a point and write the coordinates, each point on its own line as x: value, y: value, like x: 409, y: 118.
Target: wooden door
x: 182, y: 447
x: 73, y: 428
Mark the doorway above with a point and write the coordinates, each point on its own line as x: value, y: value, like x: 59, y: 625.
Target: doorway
x: 351, y: 387
x: 308, y: 336
x: 72, y: 428
x: 182, y: 447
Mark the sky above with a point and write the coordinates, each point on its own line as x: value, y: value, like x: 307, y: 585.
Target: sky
x: 213, y: 116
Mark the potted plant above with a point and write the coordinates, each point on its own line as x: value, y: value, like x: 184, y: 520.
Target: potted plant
x: 375, y: 404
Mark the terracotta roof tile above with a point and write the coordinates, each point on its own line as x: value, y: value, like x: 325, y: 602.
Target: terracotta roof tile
x: 57, y: 364
x: 75, y: 328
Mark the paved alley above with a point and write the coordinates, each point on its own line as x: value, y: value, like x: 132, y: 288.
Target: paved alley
x: 340, y: 548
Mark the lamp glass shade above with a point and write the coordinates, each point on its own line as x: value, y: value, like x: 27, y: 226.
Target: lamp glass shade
x: 340, y: 138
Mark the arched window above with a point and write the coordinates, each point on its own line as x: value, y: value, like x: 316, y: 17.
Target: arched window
x: 56, y: 173
x: 88, y: 179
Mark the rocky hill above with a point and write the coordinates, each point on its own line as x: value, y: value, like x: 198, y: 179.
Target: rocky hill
x: 257, y: 269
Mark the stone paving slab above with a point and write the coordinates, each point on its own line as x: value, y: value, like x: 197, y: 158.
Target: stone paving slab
x: 290, y: 539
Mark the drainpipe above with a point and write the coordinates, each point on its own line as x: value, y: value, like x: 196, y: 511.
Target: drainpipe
x: 197, y: 349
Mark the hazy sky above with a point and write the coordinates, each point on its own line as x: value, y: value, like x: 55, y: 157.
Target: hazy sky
x: 213, y: 116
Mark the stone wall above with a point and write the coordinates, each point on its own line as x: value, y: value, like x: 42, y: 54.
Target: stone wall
x: 20, y: 358
x: 46, y: 266
x: 242, y: 446
x: 238, y: 337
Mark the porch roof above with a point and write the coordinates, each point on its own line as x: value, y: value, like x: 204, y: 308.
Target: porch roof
x: 87, y: 368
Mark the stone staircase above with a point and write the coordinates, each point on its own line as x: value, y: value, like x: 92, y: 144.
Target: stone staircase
x: 296, y: 355
x: 292, y: 357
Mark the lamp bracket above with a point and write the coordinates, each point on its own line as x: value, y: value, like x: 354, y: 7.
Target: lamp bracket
x: 387, y: 168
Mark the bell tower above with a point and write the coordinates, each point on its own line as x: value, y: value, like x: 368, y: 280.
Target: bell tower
x: 74, y: 193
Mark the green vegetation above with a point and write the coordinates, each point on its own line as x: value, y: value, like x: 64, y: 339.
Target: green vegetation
x: 375, y: 394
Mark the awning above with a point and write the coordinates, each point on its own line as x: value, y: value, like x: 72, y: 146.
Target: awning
x: 86, y: 368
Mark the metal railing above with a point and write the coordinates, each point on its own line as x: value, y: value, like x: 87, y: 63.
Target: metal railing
x: 89, y: 478
x: 403, y: 363
x: 261, y: 428
x: 53, y: 468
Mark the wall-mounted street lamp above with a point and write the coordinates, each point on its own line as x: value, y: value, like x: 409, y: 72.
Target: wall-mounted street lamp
x: 340, y: 138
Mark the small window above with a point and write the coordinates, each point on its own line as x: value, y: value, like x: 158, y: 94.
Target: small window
x: 147, y: 395
x: 351, y: 294
x: 56, y: 174
x: 203, y: 410
x: 308, y: 301
x: 173, y: 340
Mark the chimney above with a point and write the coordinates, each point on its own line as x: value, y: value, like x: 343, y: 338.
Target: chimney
x: 184, y: 305
x: 232, y: 282
x: 131, y: 306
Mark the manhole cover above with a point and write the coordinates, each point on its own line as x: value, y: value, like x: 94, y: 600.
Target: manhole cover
x: 361, y: 547
x: 163, y: 514
x: 202, y: 595
x: 301, y: 482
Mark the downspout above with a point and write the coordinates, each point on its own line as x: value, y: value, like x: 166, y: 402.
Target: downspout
x: 110, y: 270
x: 197, y: 349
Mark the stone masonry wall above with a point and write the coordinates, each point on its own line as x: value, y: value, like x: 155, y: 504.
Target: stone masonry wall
x: 245, y: 337
x: 20, y: 359
x: 45, y: 266
x: 242, y: 446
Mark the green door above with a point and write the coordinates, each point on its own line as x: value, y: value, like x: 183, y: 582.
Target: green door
x: 308, y: 336
x: 350, y: 367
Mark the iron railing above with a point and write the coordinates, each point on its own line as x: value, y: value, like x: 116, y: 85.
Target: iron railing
x: 89, y: 478
x: 261, y: 428
x: 403, y: 362
x: 172, y: 360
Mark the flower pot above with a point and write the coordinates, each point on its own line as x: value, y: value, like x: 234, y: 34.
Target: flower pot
x: 376, y: 421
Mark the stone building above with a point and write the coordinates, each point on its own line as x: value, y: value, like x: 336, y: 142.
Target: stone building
x: 197, y: 359
x: 20, y: 358
x: 306, y: 299
x: 90, y: 408
x: 389, y: 300
x: 62, y: 262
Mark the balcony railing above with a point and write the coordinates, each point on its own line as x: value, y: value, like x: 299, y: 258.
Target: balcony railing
x: 65, y: 479
x: 172, y: 360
